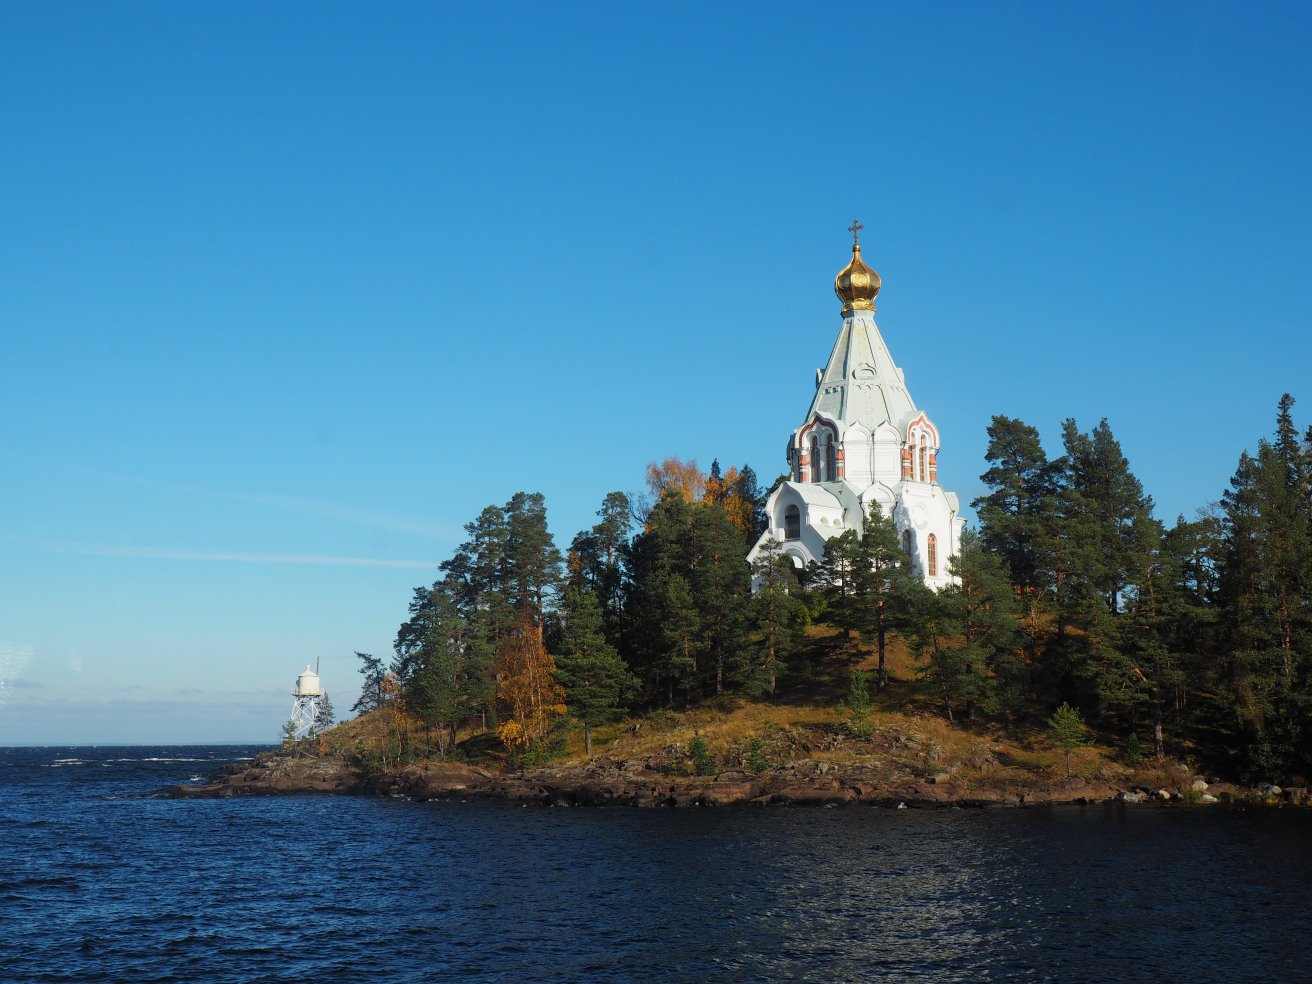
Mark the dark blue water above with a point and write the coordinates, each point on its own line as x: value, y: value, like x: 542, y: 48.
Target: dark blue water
x: 98, y: 883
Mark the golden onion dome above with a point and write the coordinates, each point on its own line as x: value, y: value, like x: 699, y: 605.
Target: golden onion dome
x: 856, y: 284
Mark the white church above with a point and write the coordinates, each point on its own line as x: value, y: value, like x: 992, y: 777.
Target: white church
x: 864, y: 441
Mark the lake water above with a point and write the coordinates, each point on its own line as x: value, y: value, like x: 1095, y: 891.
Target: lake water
x: 98, y: 883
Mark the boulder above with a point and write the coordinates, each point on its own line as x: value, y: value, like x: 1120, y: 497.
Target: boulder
x: 1208, y: 798
x: 1198, y: 786
x: 1129, y: 797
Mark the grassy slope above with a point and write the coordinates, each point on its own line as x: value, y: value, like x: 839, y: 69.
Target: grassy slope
x: 910, y: 737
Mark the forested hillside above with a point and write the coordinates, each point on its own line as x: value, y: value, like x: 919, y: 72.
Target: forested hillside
x: 1194, y: 637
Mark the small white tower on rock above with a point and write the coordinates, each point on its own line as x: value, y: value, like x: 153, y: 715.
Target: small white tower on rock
x: 305, y: 703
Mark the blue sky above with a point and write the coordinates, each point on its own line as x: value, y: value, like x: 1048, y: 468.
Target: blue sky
x: 288, y: 294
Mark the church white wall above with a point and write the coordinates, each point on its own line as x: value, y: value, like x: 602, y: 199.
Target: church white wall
x: 858, y: 460
x: 918, y: 507
x: 817, y: 524
x: 888, y: 455
x: 924, y: 509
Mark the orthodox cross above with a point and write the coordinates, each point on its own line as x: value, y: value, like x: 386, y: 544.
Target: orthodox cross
x: 855, y: 229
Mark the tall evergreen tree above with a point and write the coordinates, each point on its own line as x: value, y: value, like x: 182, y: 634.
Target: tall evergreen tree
x: 662, y: 633
x: 534, y: 565
x: 451, y: 677
x: 1018, y: 513
x: 747, y: 490
x: 720, y: 583
x: 776, y: 617
x: 597, y: 682
x: 373, y: 690
x: 476, y: 575
x: 871, y: 583
x: 1266, y: 590
x: 596, y: 560
x: 971, y: 635
x: 324, y: 715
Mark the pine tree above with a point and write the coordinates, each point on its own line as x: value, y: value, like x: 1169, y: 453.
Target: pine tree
x: 373, y: 691
x: 835, y: 579
x: 323, y: 715
x: 662, y: 634
x: 1266, y: 591
x: 534, y: 565
x: 451, y: 679
x: 776, y: 618
x: 888, y: 588
x: 476, y: 575
x: 1107, y: 538
x: 596, y: 680
x: 1066, y: 728
x: 596, y: 560
x: 1016, y: 516
x: 971, y: 635
x: 720, y: 583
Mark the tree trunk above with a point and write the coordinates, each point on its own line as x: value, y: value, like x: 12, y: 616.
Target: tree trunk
x: 587, y: 740
x: 1159, y: 747
x: 883, y: 668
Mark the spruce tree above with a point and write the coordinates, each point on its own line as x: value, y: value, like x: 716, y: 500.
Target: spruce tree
x: 534, y: 565
x: 1066, y: 728
x: 1266, y: 591
x: 662, y: 634
x: 1017, y: 515
x: 776, y: 618
x: 373, y: 690
x: 597, y: 682
x: 720, y: 583
x: 451, y: 680
x: 596, y: 560
x: 971, y: 635
x: 888, y: 588
x: 324, y: 714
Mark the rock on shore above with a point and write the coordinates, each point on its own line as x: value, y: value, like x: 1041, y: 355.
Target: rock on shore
x: 627, y: 783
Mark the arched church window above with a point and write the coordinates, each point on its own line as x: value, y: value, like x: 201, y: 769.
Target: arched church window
x: 792, y: 523
x: 831, y: 460
x: 932, y: 557
x: 816, y: 463
x: 924, y: 458
x: 906, y: 541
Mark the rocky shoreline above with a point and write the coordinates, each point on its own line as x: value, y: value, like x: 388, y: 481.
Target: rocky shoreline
x: 634, y: 784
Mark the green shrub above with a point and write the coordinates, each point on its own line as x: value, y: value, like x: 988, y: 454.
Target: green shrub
x: 861, y: 727
x: 1132, y: 751
x: 756, y: 760
x: 703, y: 764
x: 858, y: 691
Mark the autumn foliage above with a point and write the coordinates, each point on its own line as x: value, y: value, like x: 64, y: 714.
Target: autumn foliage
x: 526, y: 685
x: 729, y: 490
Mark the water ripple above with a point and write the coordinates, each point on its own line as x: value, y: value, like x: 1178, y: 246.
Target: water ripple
x: 99, y: 884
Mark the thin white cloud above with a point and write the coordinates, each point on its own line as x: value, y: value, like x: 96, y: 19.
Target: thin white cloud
x: 300, y: 504
x: 328, y: 510
x: 136, y: 552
